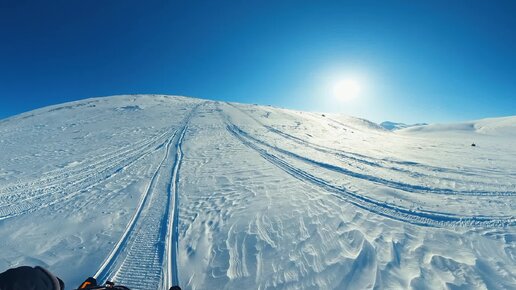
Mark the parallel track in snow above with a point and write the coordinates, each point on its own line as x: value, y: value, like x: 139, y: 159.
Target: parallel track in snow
x: 171, y: 250
x: 413, y: 216
x: 366, y: 160
x: 62, y: 186
x: 363, y: 159
x: 145, y: 257
x: 58, y: 178
x: 112, y: 263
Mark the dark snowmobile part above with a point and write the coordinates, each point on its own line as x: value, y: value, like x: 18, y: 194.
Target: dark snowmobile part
x: 25, y: 277
x: 91, y: 284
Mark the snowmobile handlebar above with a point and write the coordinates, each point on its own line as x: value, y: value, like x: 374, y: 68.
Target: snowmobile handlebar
x: 91, y: 284
x: 107, y: 287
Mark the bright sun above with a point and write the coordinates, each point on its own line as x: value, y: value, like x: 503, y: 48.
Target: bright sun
x: 346, y: 89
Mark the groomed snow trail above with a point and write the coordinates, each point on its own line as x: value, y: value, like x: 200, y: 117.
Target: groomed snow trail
x: 171, y: 250
x: 145, y: 256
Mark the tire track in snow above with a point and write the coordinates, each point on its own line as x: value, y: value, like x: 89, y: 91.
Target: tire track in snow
x: 417, y: 217
x: 381, y: 181
x: 145, y: 257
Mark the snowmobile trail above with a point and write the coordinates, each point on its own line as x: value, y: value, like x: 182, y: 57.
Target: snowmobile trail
x: 171, y: 250
x: 412, y: 216
x: 145, y: 255
x: 137, y: 227
x: 25, y: 199
x: 410, y: 169
x: 382, y: 181
x: 52, y: 179
x: 367, y: 161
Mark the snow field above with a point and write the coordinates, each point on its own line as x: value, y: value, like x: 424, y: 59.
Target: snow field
x: 155, y: 190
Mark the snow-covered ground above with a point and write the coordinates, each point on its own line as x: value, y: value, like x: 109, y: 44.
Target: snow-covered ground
x: 393, y: 126
x: 151, y: 191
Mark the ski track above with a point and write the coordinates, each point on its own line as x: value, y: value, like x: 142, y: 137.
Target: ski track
x: 412, y: 216
x: 382, y: 181
x: 150, y: 239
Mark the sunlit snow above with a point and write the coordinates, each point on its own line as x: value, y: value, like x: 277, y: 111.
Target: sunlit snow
x: 154, y: 190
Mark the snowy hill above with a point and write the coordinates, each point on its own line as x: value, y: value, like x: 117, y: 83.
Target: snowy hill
x: 152, y: 190
x: 392, y: 126
x: 491, y: 126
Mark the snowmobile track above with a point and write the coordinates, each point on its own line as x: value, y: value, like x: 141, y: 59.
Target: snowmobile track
x: 417, y: 217
x: 110, y: 265
x: 78, y: 181
x: 56, y: 178
x: 382, y: 181
x: 390, y: 183
x: 171, y: 250
x: 145, y: 255
x: 366, y: 161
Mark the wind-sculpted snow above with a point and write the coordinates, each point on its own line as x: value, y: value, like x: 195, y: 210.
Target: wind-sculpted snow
x: 418, y: 217
x: 153, y: 191
x: 400, y: 168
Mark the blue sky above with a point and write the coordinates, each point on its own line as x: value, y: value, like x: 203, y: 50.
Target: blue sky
x: 415, y: 61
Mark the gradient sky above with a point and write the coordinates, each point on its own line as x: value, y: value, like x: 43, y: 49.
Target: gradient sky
x: 416, y: 61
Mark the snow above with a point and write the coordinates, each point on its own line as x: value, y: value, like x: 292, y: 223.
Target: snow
x: 491, y: 126
x: 393, y: 126
x: 154, y: 190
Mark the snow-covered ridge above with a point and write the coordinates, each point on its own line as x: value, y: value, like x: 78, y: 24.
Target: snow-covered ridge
x: 153, y: 190
x: 489, y: 126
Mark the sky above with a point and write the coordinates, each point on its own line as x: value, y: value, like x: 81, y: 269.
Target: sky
x: 412, y: 61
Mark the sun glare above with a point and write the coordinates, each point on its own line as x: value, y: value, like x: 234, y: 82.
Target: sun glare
x: 346, y: 89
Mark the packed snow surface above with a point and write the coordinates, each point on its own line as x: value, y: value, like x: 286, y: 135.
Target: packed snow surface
x: 151, y: 191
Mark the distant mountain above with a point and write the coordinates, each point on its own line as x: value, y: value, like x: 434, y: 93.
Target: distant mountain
x: 392, y: 126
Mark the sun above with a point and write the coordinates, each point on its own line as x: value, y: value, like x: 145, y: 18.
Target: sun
x: 346, y: 89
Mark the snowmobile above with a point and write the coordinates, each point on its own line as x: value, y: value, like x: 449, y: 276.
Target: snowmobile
x: 38, y: 278
x: 91, y: 284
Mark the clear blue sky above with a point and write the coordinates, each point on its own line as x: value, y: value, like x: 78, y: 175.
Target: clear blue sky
x: 416, y: 61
